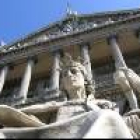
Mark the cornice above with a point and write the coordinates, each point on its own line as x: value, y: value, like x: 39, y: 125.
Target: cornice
x: 132, y: 23
x: 130, y: 12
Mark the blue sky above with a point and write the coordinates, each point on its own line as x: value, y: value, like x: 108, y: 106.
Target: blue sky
x: 21, y: 17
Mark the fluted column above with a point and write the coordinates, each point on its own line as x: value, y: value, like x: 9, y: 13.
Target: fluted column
x: 119, y: 63
x: 26, y: 80
x: 54, y: 81
x: 3, y: 74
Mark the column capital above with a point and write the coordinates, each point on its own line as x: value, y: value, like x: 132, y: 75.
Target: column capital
x: 112, y: 36
x: 60, y: 51
x: 55, y: 48
x: 85, y: 44
x: 33, y: 58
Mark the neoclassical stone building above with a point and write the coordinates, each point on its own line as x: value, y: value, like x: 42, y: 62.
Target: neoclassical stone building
x: 29, y: 67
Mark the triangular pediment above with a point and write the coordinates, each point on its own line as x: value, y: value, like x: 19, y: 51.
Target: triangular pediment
x: 69, y: 25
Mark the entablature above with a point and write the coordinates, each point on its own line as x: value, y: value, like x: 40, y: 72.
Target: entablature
x: 74, y: 38
x: 71, y: 25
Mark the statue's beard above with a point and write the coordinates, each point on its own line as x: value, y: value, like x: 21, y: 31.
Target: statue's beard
x: 75, y: 86
x: 76, y: 92
x: 74, y: 83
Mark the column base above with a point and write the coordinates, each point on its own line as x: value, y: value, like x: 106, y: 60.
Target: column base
x: 50, y: 93
x: 19, y: 100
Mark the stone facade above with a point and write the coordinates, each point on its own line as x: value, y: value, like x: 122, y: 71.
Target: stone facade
x: 30, y: 70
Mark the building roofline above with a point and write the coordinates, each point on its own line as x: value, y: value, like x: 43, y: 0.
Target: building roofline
x: 80, y: 32
x: 51, y: 25
x: 129, y: 11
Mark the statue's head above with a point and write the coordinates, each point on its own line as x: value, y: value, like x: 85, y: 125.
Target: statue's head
x: 74, y: 76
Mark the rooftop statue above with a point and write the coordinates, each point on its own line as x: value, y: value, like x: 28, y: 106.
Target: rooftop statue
x: 79, y: 116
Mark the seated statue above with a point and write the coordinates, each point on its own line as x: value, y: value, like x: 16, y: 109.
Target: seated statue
x: 80, y: 116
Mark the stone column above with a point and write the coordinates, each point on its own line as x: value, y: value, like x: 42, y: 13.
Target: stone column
x: 3, y: 74
x: 87, y: 63
x: 119, y: 62
x: 54, y: 82
x: 86, y: 58
x: 117, y: 55
x: 26, y: 80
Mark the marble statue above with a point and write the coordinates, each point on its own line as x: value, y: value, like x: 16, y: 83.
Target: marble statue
x: 79, y: 116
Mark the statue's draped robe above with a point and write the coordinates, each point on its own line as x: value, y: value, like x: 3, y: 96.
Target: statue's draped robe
x: 83, y: 125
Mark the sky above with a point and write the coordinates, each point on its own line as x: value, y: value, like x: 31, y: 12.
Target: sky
x: 22, y: 17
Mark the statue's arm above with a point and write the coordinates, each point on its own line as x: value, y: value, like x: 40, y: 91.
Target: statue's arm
x: 11, y: 117
x: 46, y: 107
